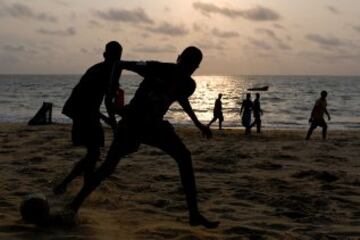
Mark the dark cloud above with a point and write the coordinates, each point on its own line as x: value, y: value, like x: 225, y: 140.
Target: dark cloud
x: 284, y: 46
x: 61, y: 3
x: 8, y: 63
x: 145, y: 35
x: 84, y: 51
x: 200, y: 27
x: 224, y: 34
x: 197, y: 27
x: 334, y: 44
x: 70, y: 31
x: 268, y: 32
x: 116, y: 29
x: 169, y: 29
x: 137, y: 15
x: 14, y: 48
x: 259, y: 44
x: 325, y: 41
x: 167, y: 9
x: 95, y: 24
x: 353, y: 57
x: 278, y: 26
x: 333, y: 10
x: 272, y: 35
x: 258, y: 13
x: 22, y: 11
x: 155, y: 49
x: 356, y: 28
x: 330, y: 57
x: 18, y: 48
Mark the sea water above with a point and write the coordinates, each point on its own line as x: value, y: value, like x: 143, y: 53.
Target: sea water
x: 286, y: 104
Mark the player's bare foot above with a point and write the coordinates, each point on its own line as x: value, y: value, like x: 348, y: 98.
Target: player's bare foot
x: 59, y: 189
x: 200, y: 220
x: 65, y: 217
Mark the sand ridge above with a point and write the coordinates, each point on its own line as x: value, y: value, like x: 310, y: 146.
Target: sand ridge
x: 272, y: 186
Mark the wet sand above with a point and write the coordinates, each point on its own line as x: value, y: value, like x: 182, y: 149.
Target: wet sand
x: 269, y: 186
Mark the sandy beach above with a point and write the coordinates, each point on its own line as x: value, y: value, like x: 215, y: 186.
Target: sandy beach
x: 270, y: 186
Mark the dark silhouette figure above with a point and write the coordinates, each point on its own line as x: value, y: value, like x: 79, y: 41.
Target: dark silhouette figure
x: 257, y: 111
x: 218, y: 114
x: 142, y: 123
x: 43, y: 116
x: 317, y: 116
x: 83, y: 107
x: 245, y: 112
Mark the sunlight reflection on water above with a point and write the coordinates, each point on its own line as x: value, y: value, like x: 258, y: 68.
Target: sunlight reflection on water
x: 287, y: 104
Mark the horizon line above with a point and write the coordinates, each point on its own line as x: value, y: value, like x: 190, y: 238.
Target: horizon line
x: 213, y: 74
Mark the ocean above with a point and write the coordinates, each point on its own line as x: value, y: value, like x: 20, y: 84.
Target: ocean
x: 287, y: 103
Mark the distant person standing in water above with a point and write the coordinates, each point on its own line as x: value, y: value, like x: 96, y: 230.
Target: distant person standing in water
x: 257, y: 111
x: 83, y: 107
x: 218, y: 114
x: 317, y: 116
x: 245, y: 112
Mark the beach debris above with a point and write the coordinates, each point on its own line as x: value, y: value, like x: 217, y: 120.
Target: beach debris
x: 43, y: 116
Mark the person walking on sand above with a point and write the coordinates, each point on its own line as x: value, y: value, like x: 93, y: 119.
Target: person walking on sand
x: 218, y: 114
x: 143, y: 123
x: 83, y: 107
x: 245, y: 112
x: 257, y: 112
x: 317, y: 116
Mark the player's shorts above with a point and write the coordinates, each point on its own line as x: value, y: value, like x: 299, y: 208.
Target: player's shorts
x: 87, y: 132
x: 160, y: 134
x: 318, y: 122
x: 219, y: 116
x: 246, y: 119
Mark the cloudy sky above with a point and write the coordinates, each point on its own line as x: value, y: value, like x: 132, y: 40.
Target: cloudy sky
x: 236, y: 36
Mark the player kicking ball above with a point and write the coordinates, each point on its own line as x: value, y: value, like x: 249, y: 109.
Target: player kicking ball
x: 143, y: 123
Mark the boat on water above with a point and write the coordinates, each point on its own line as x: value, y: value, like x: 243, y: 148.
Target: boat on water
x: 265, y: 88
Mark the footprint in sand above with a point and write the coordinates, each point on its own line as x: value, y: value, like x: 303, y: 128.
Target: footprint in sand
x: 323, y: 176
x: 268, y: 166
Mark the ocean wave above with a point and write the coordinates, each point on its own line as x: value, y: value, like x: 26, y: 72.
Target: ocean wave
x: 287, y: 103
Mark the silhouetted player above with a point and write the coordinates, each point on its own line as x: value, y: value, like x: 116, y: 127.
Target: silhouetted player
x: 83, y: 107
x: 218, y: 114
x: 257, y: 111
x: 245, y: 111
x: 163, y: 84
x: 317, y: 116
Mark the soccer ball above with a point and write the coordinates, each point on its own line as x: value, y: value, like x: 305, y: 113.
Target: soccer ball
x: 35, y: 208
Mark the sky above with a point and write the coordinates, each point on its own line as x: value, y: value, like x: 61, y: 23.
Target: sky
x: 302, y: 37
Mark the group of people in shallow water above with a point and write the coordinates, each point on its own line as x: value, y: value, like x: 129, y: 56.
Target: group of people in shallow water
x: 247, y: 107
x: 142, y: 120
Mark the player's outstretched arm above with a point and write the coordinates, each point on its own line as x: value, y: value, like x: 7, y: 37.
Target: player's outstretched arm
x: 138, y: 67
x: 185, y: 104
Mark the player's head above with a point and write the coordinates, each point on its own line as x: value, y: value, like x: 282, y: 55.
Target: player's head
x: 248, y: 96
x: 113, y: 51
x: 220, y: 95
x: 323, y: 94
x: 257, y: 95
x: 190, y: 59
